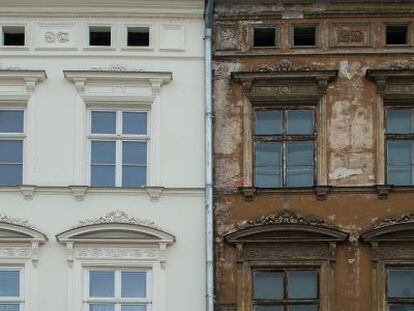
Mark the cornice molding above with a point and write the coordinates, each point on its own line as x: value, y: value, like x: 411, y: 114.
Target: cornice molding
x: 29, y: 78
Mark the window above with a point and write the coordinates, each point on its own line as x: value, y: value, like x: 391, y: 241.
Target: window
x: 118, y: 290
x: 138, y: 36
x: 264, y: 36
x: 13, y: 35
x: 286, y: 290
x: 118, y: 144
x: 11, y: 147
x: 304, y: 36
x: 397, y: 34
x: 400, y: 146
x: 100, y: 35
x: 11, y: 294
x: 284, y: 142
x: 400, y: 289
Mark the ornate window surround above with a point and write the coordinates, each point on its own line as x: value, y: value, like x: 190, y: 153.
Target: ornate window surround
x: 285, y: 85
x: 118, y: 88
x: 116, y: 240
x: 284, y: 240
x: 392, y: 245
x: 19, y: 247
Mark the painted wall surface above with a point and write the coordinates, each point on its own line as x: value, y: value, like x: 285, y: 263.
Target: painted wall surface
x: 55, y: 160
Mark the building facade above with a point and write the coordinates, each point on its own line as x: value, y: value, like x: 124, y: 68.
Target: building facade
x: 102, y: 155
x: 313, y: 155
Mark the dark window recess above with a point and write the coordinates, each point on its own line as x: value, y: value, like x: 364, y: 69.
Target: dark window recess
x: 138, y: 36
x: 100, y: 36
x: 264, y: 36
x: 397, y: 34
x: 304, y: 36
x: 13, y: 36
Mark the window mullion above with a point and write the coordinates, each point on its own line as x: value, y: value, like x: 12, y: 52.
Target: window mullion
x: 118, y: 163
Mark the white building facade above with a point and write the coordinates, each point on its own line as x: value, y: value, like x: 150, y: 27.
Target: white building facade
x: 102, y: 155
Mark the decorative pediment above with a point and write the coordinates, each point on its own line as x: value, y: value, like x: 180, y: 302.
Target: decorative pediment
x: 286, y: 226
x: 16, y: 85
x: 117, y: 85
x: 285, y: 83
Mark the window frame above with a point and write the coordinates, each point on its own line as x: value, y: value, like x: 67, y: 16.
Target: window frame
x: 277, y: 39
x: 17, y: 137
x: 125, y: 45
x: 20, y: 300
x: 14, y: 47
x: 311, y: 25
x: 118, y: 138
x: 396, y: 300
x: 408, y: 34
x: 87, y: 45
x: 285, y: 301
x: 284, y: 138
x: 117, y: 300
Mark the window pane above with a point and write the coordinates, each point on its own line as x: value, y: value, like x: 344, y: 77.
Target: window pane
x: 401, y: 283
x: 103, y: 175
x: 103, y: 122
x: 133, y: 308
x: 302, y: 285
x: 9, y: 307
x: 11, y: 151
x: 268, y: 285
x: 399, y: 121
x: 9, y: 283
x: 134, y: 284
x: 134, y: 176
x: 399, y: 161
x: 303, y: 308
x: 96, y: 307
x: 267, y: 164
x: 401, y: 307
x: 134, y: 123
x: 268, y: 308
x: 300, y: 122
x: 300, y: 164
x: 268, y: 123
x: 11, y: 121
x: 134, y: 152
x: 102, y: 284
x: 103, y: 152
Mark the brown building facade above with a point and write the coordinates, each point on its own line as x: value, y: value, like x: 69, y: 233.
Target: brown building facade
x: 314, y: 155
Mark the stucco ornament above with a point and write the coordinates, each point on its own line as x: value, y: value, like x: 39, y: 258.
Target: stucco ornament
x: 286, y: 65
x: 15, y: 221
x: 405, y: 64
x: 284, y: 217
x: 9, y: 68
x: 116, y: 68
x: 346, y: 35
x: 402, y: 219
x: 60, y: 37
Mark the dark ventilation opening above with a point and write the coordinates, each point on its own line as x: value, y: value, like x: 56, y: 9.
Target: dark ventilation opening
x: 138, y: 36
x: 13, y: 35
x: 397, y: 34
x: 100, y: 35
x: 264, y: 36
x: 304, y: 36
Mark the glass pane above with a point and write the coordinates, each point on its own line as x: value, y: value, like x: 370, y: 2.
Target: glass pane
x: 268, y: 123
x: 134, y: 123
x: 268, y: 308
x: 399, y: 121
x: 11, y: 121
x: 103, y: 152
x: 134, y: 284
x: 103, y: 175
x: 300, y: 122
x: 401, y: 283
x: 100, y: 307
x: 134, y: 152
x: 9, y: 307
x: 103, y: 122
x: 134, y: 176
x: 11, y: 174
x: 11, y: 151
x: 9, y: 283
x: 267, y: 164
x: 401, y: 307
x: 302, y: 284
x: 303, y: 308
x: 300, y: 169
x: 101, y: 284
x: 133, y: 308
x: 268, y: 285
x: 399, y: 161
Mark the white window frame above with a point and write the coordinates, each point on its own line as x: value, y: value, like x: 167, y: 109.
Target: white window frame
x: 26, y: 41
x: 87, y: 45
x: 18, y: 136
x: 118, y: 300
x: 15, y: 299
x: 151, y: 30
x: 118, y: 137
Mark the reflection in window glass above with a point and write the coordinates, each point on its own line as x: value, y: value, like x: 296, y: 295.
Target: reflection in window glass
x: 9, y: 283
x: 134, y: 284
x: 400, y: 162
x: 402, y: 307
x: 9, y: 307
x: 101, y: 307
x: 303, y: 308
x: 268, y: 308
x: 268, y: 164
x: 11, y: 121
x: 399, y: 121
x: 102, y: 284
x: 133, y: 308
x: 302, y: 284
x: 268, y: 285
x: 11, y: 162
x: 300, y: 122
x: 268, y: 122
x: 300, y: 166
x: 134, y: 123
x: 103, y: 122
x: 401, y: 283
